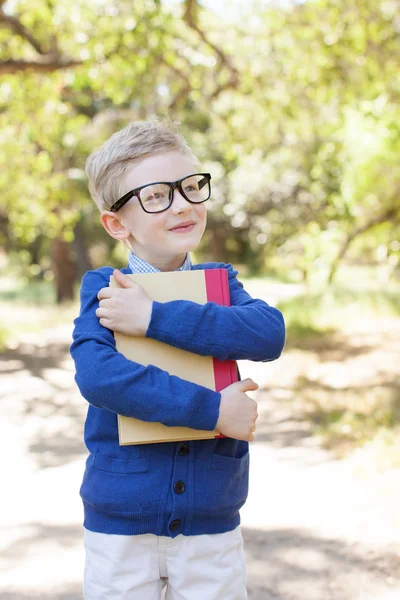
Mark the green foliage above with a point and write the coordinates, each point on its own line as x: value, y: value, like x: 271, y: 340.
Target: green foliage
x: 293, y: 108
x: 371, y: 421
x: 314, y: 319
x: 319, y: 313
x: 34, y: 293
x: 3, y: 338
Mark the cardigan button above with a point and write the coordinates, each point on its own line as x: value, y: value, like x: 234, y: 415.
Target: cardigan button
x: 174, y: 525
x: 183, y: 450
x: 179, y: 487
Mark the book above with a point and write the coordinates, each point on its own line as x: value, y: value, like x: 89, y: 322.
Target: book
x: 199, y: 286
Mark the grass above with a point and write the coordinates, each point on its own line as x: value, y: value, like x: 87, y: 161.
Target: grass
x: 341, y: 326
x: 330, y: 308
x: 317, y: 316
x: 37, y: 293
x: 347, y: 419
x: 21, y: 320
x: 28, y: 308
x: 3, y: 337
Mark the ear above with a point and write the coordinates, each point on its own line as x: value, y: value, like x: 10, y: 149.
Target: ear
x: 113, y: 225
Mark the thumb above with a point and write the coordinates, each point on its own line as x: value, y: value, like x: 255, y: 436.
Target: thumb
x: 248, y: 385
x: 123, y: 280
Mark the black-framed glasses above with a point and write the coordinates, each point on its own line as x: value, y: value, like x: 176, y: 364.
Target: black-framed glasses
x: 157, y: 197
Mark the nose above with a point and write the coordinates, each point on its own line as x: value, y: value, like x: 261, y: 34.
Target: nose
x: 180, y: 204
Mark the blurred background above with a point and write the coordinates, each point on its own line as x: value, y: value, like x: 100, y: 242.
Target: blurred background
x: 293, y: 106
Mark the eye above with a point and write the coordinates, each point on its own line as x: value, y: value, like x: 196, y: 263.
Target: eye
x: 154, y: 194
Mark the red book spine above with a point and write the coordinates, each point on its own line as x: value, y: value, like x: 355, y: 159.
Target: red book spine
x: 217, y: 288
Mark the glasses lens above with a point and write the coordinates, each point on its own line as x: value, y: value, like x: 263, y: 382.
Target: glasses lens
x: 155, y: 197
x: 196, y: 188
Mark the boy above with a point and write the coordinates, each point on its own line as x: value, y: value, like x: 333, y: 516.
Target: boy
x: 163, y: 513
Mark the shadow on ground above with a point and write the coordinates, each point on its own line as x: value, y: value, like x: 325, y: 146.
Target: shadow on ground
x: 35, y: 358
x: 292, y: 414
x: 38, y: 539
x: 283, y: 564
x: 37, y: 533
x: 288, y: 564
x: 329, y: 345
x: 72, y: 593
x: 40, y: 395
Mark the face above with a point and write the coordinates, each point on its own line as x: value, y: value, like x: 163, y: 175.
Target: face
x: 162, y: 239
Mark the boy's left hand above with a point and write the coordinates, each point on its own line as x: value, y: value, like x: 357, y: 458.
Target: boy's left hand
x: 126, y: 309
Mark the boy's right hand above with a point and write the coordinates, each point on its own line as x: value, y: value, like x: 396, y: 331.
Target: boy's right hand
x: 237, y: 411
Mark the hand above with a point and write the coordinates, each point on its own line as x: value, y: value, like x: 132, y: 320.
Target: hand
x: 237, y: 411
x: 125, y: 310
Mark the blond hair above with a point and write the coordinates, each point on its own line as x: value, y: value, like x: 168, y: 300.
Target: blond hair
x: 106, y: 167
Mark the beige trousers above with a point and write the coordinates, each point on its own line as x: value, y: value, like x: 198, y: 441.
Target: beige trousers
x: 139, y: 567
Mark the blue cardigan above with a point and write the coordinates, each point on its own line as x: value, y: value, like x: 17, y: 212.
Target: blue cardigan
x: 188, y: 488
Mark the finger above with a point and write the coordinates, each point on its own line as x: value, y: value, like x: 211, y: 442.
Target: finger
x: 248, y: 385
x: 106, y: 303
x: 105, y: 292
x: 105, y: 323
x: 102, y: 312
x: 124, y: 280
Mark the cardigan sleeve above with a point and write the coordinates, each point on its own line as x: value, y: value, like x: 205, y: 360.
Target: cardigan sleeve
x: 109, y: 380
x: 248, y: 329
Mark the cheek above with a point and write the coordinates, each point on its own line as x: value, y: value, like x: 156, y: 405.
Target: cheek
x: 146, y: 230
x: 202, y: 213
x: 156, y: 226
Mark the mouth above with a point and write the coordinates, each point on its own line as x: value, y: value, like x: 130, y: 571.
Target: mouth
x: 183, y: 227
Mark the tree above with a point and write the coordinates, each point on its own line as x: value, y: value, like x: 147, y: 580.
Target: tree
x: 292, y: 107
x: 72, y: 111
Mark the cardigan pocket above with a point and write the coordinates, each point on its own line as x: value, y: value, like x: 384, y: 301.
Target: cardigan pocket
x: 229, y: 463
x: 138, y: 464
x: 224, y: 487
x: 122, y: 486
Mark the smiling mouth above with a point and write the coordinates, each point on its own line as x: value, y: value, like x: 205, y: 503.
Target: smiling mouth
x: 183, y: 227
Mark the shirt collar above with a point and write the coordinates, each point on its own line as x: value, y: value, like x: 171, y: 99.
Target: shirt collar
x: 139, y: 265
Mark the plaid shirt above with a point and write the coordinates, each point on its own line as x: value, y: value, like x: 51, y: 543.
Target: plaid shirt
x: 138, y: 265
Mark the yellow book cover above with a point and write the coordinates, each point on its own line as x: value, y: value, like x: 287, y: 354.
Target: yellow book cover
x: 199, y: 286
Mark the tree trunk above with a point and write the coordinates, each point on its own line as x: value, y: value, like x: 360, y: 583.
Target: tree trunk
x: 387, y: 216
x: 336, y: 262
x: 64, y: 268
x: 83, y: 262
x: 5, y: 232
x: 216, y: 246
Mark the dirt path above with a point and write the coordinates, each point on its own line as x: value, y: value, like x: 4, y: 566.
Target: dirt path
x: 315, y: 528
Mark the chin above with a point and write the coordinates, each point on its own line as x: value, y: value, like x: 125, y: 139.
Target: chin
x: 189, y: 245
